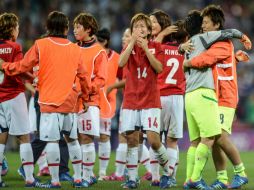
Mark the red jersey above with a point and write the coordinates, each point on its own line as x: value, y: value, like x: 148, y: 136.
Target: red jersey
x: 10, y: 86
x: 172, y: 80
x: 141, y: 89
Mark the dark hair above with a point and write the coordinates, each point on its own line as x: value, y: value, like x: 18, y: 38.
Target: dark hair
x: 181, y: 34
x: 8, y: 22
x: 215, y: 13
x: 103, y: 35
x: 163, y: 18
x: 57, y: 23
x: 88, y: 21
x: 193, y: 22
x: 164, y: 21
x: 141, y: 16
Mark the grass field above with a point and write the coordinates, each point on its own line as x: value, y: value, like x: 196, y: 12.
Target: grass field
x: 15, y: 181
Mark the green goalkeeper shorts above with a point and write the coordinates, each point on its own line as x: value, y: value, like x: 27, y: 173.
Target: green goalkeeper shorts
x: 202, y: 113
x: 226, y: 118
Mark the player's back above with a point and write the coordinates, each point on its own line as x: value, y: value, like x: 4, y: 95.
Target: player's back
x: 10, y: 86
x: 58, y: 64
x: 172, y: 80
x: 196, y: 78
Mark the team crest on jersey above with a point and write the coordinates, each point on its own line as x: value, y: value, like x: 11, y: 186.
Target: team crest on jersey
x: 152, y: 50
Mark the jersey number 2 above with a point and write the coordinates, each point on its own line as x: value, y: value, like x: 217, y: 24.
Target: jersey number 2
x: 175, y: 63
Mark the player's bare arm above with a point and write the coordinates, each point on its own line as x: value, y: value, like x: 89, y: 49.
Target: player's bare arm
x: 126, y: 53
x: 1, y: 62
x: 155, y: 63
x: 165, y: 32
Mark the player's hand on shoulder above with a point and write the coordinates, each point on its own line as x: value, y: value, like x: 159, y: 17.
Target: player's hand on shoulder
x: 170, y: 29
x: 187, y: 46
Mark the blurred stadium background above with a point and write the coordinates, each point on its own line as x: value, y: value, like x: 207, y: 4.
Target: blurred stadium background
x: 116, y: 14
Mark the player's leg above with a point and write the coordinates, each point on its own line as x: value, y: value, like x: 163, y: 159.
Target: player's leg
x: 50, y: 127
x: 89, y: 126
x: 20, y: 128
x: 64, y: 174
x: 224, y: 143
x: 121, y: 154
x: 131, y: 119
x: 175, y: 130
x: 145, y: 161
x: 70, y: 133
x: 151, y: 124
x: 194, y: 136
x: 204, y: 99
x: 3, y: 140
x: 104, y: 147
x: 43, y: 165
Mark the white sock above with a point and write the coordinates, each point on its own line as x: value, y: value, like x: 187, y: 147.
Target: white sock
x: 177, y: 163
x: 145, y: 159
x: 2, y: 146
x: 121, y: 154
x: 140, y: 151
x: 42, y: 161
x: 53, y: 158
x: 155, y: 167
x: 88, y: 152
x: 172, y: 158
x: 76, y: 158
x: 27, y: 159
x: 132, y: 163
x: 163, y: 158
x: 104, y: 155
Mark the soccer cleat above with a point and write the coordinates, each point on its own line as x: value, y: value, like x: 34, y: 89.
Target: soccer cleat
x: 155, y: 183
x: 49, y: 185
x: 85, y: 183
x: 2, y: 184
x: 44, y: 172
x: 173, y: 182
x: 130, y: 185
x: 35, y: 183
x: 147, y: 176
x: 246, y: 42
x: 238, y: 182
x: 79, y: 183
x: 218, y: 185
x: 5, y: 167
x: 201, y: 185
x: 114, y: 177
x: 65, y: 177
x: 93, y: 180
x: 21, y: 172
x: 165, y: 182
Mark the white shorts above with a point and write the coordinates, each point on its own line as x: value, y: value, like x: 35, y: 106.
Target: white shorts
x: 147, y: 119
x: 105, y: 126
x: 89, y: 122
x: 14, y: 116
x: 172, y: 115
x: 32, y: 115
x: 51, y: 124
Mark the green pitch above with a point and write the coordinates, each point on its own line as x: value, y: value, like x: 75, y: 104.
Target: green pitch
x: 16, y: 182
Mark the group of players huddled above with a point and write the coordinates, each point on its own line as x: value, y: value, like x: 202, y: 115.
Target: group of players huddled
x: 165, y: 66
